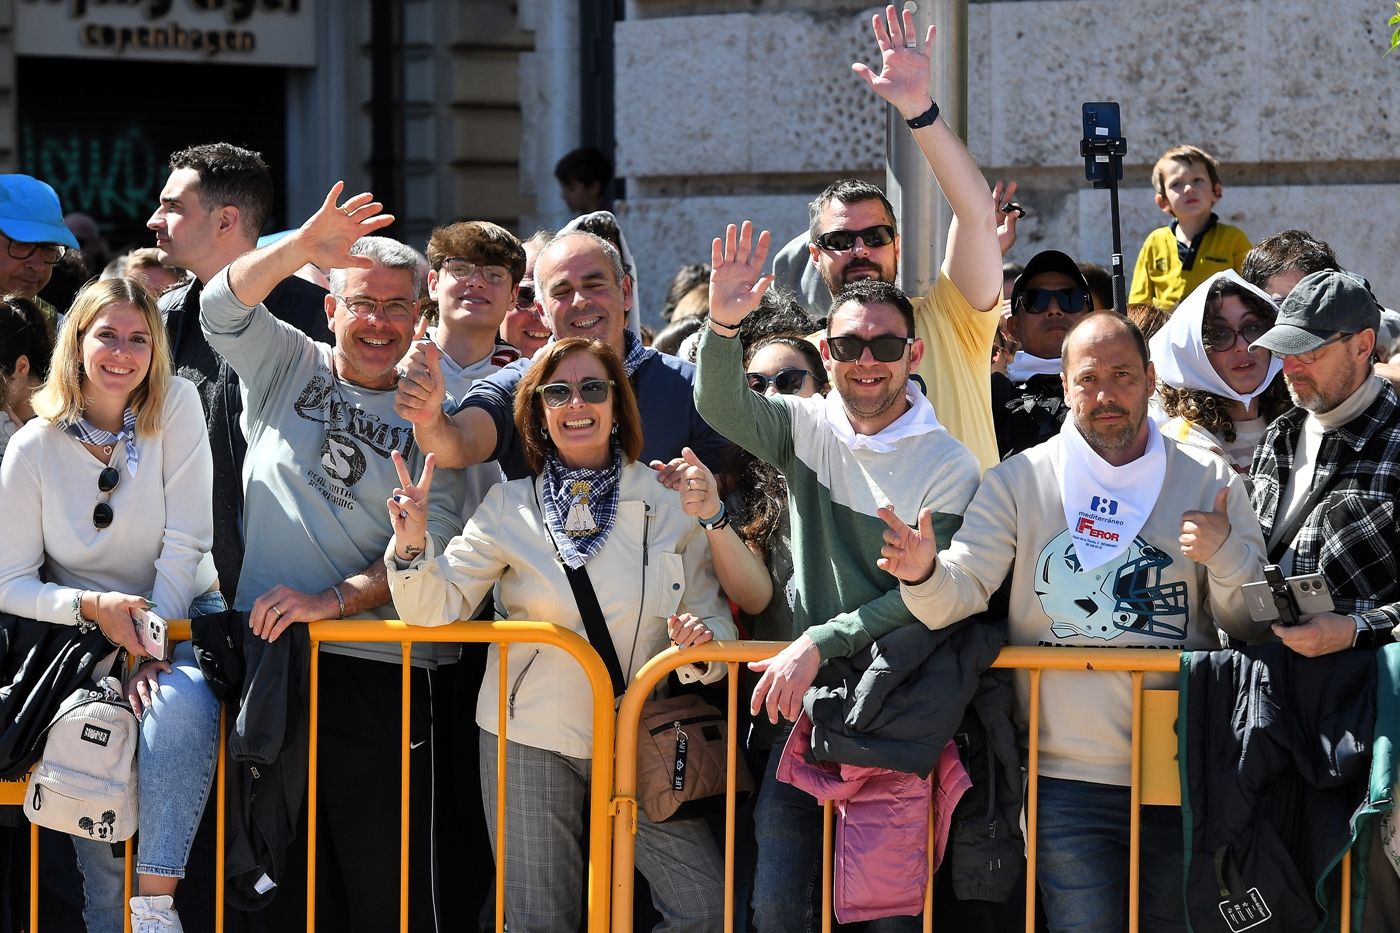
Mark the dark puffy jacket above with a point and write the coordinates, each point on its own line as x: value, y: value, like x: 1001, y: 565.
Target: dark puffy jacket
x: 1275, y: 757
x: 40, y: 665
x: 267, y: 745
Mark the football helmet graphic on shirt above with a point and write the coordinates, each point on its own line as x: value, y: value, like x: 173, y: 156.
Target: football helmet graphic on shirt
x: 1124, y: 596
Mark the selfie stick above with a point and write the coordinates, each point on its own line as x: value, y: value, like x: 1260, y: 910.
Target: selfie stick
x: 1111, y: 149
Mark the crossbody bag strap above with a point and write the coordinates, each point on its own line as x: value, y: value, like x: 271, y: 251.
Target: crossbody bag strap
x: 591, y: 613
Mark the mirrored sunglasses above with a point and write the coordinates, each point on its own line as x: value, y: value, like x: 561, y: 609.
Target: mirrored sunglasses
x: 837, y: 241
x: 786, y: 381
x: 559, y: 394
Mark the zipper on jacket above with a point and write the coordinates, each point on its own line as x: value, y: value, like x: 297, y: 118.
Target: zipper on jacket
x: 641, y: 600
x: 515, y: 687
x: 646, y: 533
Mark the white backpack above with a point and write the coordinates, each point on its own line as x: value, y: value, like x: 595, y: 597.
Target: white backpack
x: 85, y: 781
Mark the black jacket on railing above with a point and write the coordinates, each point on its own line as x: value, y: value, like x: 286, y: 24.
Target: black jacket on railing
x: 267, y: 683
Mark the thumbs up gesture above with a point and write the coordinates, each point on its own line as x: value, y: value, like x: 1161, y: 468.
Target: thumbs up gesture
x: 693, y: 480
x: 1202, y: 533
x: 421, y: 389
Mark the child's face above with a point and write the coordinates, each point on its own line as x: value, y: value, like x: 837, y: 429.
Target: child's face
x: 1189, y: 193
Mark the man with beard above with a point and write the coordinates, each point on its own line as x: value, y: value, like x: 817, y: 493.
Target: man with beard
x: 1028, y: 402
x: 1112, y: 536
x: 1327, y: 474
x: 874, y: 439
x: 322, y: 440
x: 854, y: 236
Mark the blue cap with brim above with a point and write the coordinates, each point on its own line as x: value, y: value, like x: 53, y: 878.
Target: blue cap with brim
x: 30, y: 212
x: 1321, y: 306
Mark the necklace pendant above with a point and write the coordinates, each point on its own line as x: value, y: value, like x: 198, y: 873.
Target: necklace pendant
x: 580, y: 521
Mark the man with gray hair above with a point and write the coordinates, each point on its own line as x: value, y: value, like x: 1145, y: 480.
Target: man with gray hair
x: 323, y: 439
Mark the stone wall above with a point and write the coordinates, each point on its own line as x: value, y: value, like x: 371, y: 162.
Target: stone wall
x: 746, y: 108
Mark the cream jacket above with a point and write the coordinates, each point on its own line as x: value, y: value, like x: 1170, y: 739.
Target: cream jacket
x: 656, y: 562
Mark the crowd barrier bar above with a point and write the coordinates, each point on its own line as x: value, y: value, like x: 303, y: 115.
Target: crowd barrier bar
x: 1153, y: 770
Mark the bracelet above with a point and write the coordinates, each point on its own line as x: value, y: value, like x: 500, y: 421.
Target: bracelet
x: 717, y: 521
x: 730, y: 327
x: 927, y: 118
x: 339, y: 599
x: 84, y: 624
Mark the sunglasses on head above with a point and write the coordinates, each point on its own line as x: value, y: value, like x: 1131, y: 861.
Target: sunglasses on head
x: 559, y: 394
x: 837, y: 241
x: 1219, y: 338
x: 786, y: 381
x: 102, y: 513
x: 1069, y: 300
x: 886, y: 348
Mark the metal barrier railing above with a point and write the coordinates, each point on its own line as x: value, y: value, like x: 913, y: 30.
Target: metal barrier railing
x: 381, y: 632
x: 1154, y: 776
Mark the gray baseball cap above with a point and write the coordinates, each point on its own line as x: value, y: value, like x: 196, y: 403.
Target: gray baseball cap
x: 1321, y: 306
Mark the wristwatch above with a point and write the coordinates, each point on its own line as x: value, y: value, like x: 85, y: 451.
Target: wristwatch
x: 1366, y: 634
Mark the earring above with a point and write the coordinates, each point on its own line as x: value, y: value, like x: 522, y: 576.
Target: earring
x: 614, y: 429
x: 544, y: 432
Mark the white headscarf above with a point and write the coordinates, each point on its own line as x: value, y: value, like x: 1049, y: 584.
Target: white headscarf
x: 1179, y: 353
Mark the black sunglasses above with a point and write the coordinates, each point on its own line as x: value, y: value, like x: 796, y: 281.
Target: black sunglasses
x: 1218, y: 338
x: 786, y: 381
x: 1069, y: 300
x: 558, y: 394
x: 525, y: 297
x: 886, y: 348
x: 837, y: 241
x: 102, y: 513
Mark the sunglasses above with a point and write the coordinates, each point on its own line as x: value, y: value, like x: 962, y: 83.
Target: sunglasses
x: 1069, y: 300
x: 838, y: 241
x: 102, y: 513
x: 525, y: 297
x: 559, y: 394
x: 1218, y: 338
x: 786, y: 381
x: 886, y: 348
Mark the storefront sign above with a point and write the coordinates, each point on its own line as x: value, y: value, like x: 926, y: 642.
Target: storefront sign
x: 244, y: 32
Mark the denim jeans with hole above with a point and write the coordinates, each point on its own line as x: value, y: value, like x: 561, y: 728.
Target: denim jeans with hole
x: 1082, y: 860
x: 178, y: 751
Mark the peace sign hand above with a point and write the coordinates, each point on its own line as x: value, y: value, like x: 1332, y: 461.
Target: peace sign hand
x: 408, y: 509
x: 737, y: 280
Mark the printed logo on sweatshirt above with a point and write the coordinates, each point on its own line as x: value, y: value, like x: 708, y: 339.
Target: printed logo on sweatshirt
x: 352, y: 436
x: 1124, y: 596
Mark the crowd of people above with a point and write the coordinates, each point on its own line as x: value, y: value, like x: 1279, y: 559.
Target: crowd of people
x: 333, y: 425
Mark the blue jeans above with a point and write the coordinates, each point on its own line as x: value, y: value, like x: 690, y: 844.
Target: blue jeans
x: 788, y: 832
x: 1082, y: 860
x: 178, y: 751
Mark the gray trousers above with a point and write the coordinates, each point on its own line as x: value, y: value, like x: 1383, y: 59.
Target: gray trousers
x: 547, y: 794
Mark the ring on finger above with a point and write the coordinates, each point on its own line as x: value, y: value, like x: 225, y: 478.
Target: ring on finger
x: 278, y: 610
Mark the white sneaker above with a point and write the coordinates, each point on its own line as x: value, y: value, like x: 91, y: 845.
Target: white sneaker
x: 155, y: 915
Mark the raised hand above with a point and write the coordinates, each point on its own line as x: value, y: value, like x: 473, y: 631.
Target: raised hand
x: 421, y: 390
x: 328, y: 234
x: 737, y: 280
x: 408, y: 509
x: 908, y: 554
x: 693, y: 480
x: 905, y: 64
x: 1202, y: 533
x: 1003, y: 196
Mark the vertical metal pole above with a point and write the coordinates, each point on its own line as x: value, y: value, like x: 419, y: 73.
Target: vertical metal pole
x: 919, y: 206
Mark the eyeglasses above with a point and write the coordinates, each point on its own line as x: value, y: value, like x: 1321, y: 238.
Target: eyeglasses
x: 1309, y: 357
x: 462, y: 271
x: 525, y: 297
x: 102, y: 513
x: 394, y: 309
x: 1068, y: 300
x: 51, y: 253
x: 1219, y: 338
x: 837, y: 241
x: 559, y: 394
x: 786, y: 381
x: 886, y: 348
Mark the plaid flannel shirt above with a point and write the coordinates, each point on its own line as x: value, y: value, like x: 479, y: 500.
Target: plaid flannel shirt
x: 1352, y: 536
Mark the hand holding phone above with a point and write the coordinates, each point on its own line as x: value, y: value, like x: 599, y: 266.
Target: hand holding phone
x: 154, y: 635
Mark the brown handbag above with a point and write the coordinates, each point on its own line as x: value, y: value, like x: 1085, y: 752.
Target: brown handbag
x: 681, y: 755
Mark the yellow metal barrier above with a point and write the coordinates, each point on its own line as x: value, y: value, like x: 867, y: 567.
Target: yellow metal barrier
x: 1154, y: 773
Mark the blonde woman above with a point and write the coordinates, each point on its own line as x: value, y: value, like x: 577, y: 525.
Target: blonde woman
x: 107, y: 500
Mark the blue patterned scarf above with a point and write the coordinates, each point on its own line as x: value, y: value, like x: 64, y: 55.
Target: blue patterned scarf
x: 89, y: 433
x: 580, y: 506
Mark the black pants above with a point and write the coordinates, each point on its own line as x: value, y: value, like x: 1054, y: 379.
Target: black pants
x: 357, y: 815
